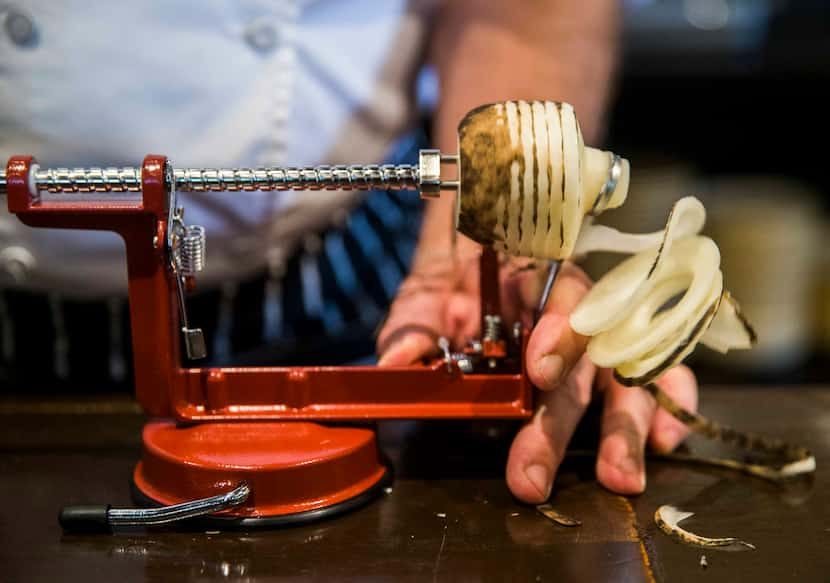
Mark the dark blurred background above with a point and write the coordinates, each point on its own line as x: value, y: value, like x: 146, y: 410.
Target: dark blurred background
x: 727, y: 100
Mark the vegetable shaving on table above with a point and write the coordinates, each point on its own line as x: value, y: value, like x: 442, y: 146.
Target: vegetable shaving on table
x: 668, y: 519
x: 553, y: 514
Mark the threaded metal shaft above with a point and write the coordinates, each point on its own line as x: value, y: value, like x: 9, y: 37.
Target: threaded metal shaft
x: 358, y: 177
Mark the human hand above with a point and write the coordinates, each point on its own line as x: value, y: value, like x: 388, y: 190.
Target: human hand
x: 443, y: 300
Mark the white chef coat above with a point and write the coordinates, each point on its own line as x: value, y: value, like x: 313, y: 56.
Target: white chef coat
x: 213, y: 83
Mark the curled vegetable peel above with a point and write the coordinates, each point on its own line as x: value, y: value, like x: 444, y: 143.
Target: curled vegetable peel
x: 668, y: 519
x: 649, y: 312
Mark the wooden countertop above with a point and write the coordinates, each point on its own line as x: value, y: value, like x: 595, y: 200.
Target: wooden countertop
x: 449, y: 516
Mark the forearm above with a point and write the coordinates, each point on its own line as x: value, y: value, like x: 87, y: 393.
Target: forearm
x: 490, y: 50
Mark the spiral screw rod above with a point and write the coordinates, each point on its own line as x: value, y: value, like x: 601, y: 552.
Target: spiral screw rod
x: 358, y: 177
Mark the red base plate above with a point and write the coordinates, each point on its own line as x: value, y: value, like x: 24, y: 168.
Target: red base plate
x: 291, y: 467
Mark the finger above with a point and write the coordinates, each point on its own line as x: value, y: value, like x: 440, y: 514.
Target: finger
x: 626, y: 419
x: 462, y: 319
x: 410, y: 345
x: 410, y: 332
x: 554, y: 348
x: 666, y: 431
x: 540, y: 445
x: 412, y: 328
x: 401, y: 344
x: 521, y: 284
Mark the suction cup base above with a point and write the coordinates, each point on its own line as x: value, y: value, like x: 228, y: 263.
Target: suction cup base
x: 298, y: 472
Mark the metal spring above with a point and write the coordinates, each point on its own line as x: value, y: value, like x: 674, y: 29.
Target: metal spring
x: 357, y: 177
x: 492, y: 327
x: 192, y: 250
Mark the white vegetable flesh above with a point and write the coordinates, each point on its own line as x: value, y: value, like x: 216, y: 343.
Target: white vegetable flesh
x: 649, y: 312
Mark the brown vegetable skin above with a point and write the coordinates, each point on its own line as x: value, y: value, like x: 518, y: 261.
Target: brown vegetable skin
x: 486, y: 154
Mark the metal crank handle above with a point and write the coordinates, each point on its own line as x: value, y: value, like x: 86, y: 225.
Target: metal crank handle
x: 553, y: 271
x: 424, y: 176
x: 103, y: 518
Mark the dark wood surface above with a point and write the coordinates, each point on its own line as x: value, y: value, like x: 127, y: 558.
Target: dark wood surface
x: 449, y: 516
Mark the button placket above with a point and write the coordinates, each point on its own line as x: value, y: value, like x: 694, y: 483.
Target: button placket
x: 281, y: 71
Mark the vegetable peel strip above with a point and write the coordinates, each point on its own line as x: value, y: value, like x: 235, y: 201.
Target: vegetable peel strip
x: 668, y: 518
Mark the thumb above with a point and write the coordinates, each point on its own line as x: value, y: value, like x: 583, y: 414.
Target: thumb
x: 554, y: 348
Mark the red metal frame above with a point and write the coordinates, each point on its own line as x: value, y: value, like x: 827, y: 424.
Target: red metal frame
x: 294, y: 468
x: 167, y: 389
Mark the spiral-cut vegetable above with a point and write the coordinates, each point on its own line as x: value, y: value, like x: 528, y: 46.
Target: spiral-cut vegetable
x: 530, y: 187
x: 649, y: 312
x: 527, y: 179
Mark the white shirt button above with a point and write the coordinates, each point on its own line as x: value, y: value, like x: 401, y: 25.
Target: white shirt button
x: 262, y: 36
x: 19, y: 27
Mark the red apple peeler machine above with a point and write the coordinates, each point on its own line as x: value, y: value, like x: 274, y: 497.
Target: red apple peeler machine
x: 250, y: 446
